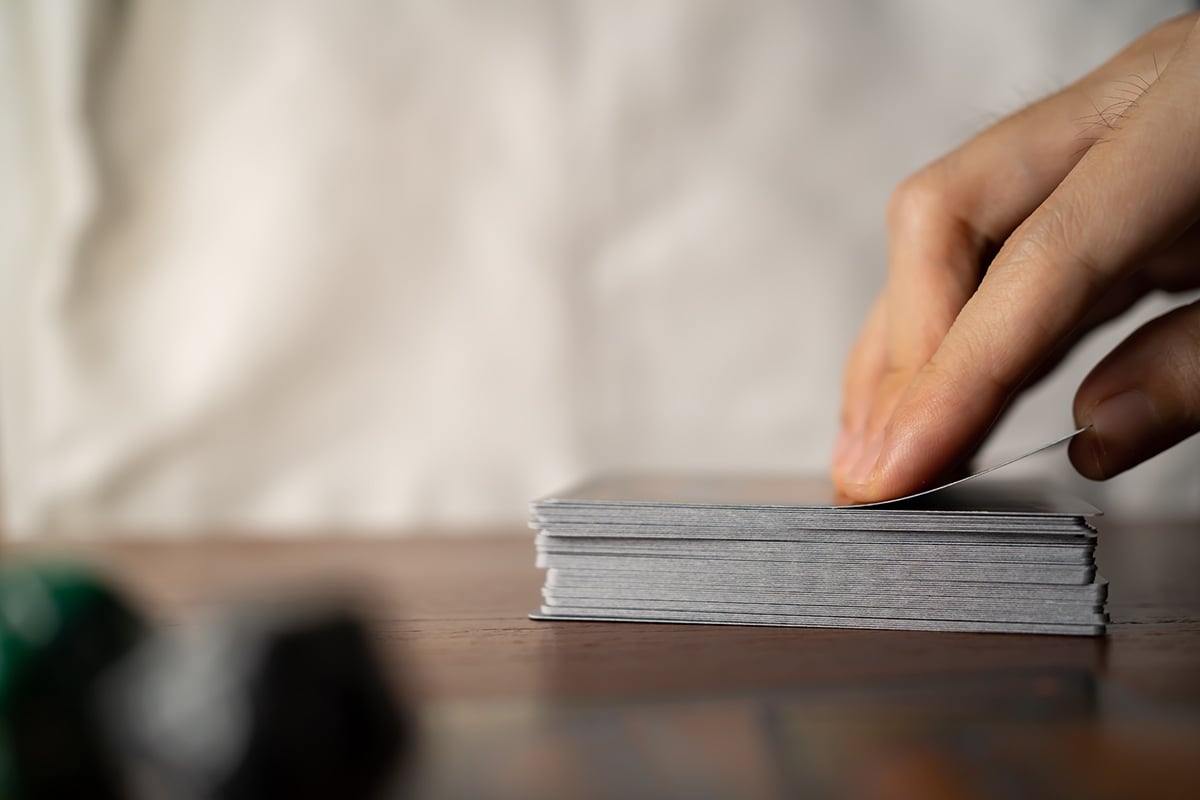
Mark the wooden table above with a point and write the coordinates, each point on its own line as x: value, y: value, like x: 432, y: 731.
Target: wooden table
x: 514, y: 708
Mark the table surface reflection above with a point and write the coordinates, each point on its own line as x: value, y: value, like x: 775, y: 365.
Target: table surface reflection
x: 508, y: 707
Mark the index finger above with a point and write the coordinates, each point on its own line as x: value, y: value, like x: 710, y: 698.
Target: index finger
x: 1126, y: 197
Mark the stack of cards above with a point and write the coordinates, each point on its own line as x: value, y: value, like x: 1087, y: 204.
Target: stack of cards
x: 982, y: 556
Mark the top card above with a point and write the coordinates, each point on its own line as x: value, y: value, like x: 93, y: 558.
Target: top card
x: 989, y: 496
x: 974, y: 493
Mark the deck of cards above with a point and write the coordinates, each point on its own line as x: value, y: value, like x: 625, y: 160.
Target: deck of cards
x: 982, y: 556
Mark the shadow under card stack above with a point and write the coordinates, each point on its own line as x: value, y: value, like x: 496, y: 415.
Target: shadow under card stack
x: 985, y: 556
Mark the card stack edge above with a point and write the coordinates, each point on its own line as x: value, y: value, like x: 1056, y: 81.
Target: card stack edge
x: 565, y: 530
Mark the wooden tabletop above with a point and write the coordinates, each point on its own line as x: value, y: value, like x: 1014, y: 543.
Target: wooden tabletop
x: 514, y: 708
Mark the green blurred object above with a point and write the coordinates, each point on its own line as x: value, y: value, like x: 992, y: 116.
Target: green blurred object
x: 61, y: 627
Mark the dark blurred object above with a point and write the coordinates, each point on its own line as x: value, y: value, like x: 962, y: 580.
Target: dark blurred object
x: 275, y: 702
x: 61, y: 628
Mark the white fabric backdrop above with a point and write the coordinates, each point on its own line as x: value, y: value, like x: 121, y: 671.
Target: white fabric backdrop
x: 300, y: 265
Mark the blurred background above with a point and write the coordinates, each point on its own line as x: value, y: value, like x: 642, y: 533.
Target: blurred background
x: 368, y: 266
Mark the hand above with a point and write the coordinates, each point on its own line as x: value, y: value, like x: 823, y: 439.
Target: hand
x: 1089, y: 199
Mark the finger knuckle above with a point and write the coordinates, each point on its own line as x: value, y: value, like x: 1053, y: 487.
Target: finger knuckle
x: 971, y: 371
x: 918, y: 200
x: 1051, y: 245
x: 940, y: 391
x: 1035, y: 244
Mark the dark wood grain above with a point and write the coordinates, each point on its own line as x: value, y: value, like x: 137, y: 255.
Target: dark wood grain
x: 590, y: 709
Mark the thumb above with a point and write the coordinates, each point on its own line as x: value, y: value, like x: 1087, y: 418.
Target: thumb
x: 1142, y: 398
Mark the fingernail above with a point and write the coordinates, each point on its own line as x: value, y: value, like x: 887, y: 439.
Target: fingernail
x: 860, y: 473
x: 1123, y: 425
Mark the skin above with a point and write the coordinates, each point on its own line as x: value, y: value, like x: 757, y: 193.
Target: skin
x: 1088, y: 200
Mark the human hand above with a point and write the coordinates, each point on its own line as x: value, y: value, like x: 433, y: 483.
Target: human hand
x: 1094, y: 195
